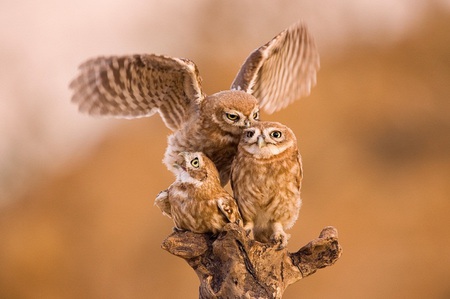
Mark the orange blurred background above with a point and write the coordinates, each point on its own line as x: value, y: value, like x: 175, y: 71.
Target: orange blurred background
x: 76, y: 194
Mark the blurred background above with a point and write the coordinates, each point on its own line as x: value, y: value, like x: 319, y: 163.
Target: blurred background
x: 76, y: 193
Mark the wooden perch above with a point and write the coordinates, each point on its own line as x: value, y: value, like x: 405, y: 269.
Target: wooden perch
x: 233, y: 266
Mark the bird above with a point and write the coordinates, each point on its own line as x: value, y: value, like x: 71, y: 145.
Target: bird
x: 131, y: 86
x: 266, y: 177
x: 196, y: 201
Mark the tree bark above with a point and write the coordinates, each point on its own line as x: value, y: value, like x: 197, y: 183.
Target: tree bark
x: 231, y: 265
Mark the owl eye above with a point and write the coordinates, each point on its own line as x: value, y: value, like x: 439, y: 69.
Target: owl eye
x: 195, y: 162
x: 276, y: 134
x: 249, y: 134
x: 256, y: 115
x: 232, y: 116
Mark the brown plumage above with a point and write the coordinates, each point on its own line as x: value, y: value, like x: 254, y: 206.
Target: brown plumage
x: 196, y: 201
x: 273, y: 76
x: 266, y: 179
x: 281, y: 71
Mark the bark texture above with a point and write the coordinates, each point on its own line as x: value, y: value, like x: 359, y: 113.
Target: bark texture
x: 231, y: 265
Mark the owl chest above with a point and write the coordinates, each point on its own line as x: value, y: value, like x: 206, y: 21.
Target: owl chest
x: 266, y: 186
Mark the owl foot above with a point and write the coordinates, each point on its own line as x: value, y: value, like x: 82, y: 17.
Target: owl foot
x: 248, y: 227
x: 178, y: 230
x: 279, y: 236
x: 250, y: 234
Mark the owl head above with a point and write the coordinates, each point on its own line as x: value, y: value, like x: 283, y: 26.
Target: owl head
x: 265, y: 140
x: 231, y: 110
x: 195, y: 167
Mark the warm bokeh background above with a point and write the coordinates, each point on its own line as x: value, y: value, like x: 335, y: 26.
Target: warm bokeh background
x: 76, y: 194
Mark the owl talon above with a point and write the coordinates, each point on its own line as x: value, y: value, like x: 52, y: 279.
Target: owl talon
x: 280, y: 238
x: 249, y: 233
x: 178, y: 230
x: 248, y: 227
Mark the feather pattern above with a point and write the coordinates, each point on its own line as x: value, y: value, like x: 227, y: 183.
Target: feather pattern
x: 138, y: 86
x: 281, y: 71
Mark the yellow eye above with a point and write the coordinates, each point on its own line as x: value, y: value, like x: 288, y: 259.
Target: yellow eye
x: 232, y: 116
x: 256, y: 115
x: 275, y: 134
x: 195, y: 162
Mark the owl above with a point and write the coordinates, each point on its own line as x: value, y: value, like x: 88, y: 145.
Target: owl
x: 266, y: 178
x: 196, y: 201
x: 273, y: 76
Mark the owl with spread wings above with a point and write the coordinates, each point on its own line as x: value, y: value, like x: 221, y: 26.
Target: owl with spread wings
x: 273, y: 76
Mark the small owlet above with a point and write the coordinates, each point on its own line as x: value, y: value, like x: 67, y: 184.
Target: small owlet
x: 266, y: 178
x: 273, y: 76
x: 196, y: 201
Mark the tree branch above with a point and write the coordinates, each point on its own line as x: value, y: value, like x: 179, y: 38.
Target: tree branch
x: 231, y: 265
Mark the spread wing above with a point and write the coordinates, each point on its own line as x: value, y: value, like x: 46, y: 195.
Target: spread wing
x: 281, y: 71
x: 138, y: 86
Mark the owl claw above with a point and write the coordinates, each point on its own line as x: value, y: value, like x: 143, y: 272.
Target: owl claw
x: 280, y: 238
x: 248, y: 227
x: 177, y: 230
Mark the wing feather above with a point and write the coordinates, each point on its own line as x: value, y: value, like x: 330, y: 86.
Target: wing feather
x: 228, y: 206
x: 281, y: 71
x: 138, y: 86
x: 162, y: 202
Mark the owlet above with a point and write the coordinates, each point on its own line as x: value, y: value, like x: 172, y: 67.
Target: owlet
x: 266, y: 179
x: 196, y: 201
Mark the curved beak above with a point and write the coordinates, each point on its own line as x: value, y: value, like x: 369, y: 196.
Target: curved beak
x: 247, y: 123
x: 261, y: 142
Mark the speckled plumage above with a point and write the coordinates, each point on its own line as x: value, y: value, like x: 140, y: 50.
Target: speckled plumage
x: 266, y: 179
x: 196, y: 201
x: 272, y: 76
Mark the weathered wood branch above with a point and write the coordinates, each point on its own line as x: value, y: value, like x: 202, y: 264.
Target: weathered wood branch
x: 231, y: 265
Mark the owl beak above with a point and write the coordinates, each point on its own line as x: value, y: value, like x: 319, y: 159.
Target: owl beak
x: 261, y: 142
x: 247, y: 123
